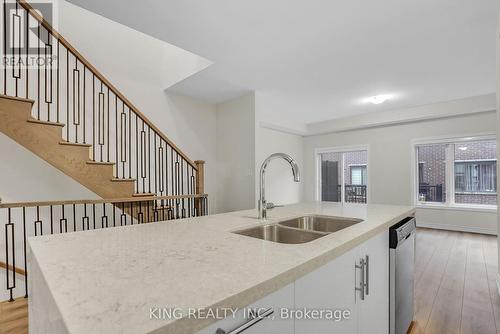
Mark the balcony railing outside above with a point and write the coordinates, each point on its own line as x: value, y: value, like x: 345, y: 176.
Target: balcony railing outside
x: 431, y: 193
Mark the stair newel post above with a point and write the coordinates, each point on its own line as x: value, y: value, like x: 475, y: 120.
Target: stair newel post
x: 200, y: 184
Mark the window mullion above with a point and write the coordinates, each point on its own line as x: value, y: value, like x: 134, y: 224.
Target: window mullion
x: 342, y: 178
x: 450, y: 174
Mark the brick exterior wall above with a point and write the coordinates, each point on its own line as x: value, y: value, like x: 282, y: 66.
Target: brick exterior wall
x: 354, y: 158
x: 432, y: 166
x: 351, y: 158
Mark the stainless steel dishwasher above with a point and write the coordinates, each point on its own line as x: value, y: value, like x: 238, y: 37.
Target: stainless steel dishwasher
x: 402, y: 263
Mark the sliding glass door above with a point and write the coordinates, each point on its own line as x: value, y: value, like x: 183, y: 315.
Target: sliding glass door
x: 343, y: 176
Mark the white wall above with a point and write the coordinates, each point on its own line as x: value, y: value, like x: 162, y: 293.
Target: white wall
x: 280, y: 187
x: 242, y: 145
x: 498, y: 136
x: 115, y: 48
x: 236, y: 154
x: 390, y: 164
x: 189, y: 123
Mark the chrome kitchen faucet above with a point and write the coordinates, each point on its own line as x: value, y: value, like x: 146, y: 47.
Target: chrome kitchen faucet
x: 263, y: 205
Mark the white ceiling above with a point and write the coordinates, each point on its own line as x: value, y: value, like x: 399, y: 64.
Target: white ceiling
x: 317, y: 59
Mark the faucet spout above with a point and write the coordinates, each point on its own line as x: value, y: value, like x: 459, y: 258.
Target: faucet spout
x: 262, y: 205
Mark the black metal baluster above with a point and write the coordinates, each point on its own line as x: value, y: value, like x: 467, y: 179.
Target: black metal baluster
x: 63, y: 220
x: 100, y: 122
x: 38, y: 222
x: 130, y: 143
x: 149, y: 159
x: 136, y: 153
x: 172, y: 167
x: 38, y: 75
x: 76, y: 98
x: 140, y: 216
x: 155, y: 169
x: 85, y: 218
x: 10, y: 285
x: 25, y: 255
x: 74, y: 217
x: 51, y: 219
x: 84, y: 106
x: 143, y: 157
x: 16, y: 74
x: 104, y: 218
x: 131, y: 213
x: 107, y: 124
x: 161, y: 169
x: 114, y: 214
x: 93, y: 214
x: 123, y: 140
x: 166, y: 169
x: 27, y: 51
x: 48, y: 74
x: 123, y: 216
x: 57, y: 78
x: 5, y: 55
x: 181, y: 167
x: 67, y: 97
x: 117, y: 169
x: 177, y: 179
x: 93, y: 117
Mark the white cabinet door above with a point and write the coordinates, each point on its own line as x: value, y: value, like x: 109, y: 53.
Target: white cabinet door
x: 277, y: 300
x: 373, y: 311
x: 330, y: 287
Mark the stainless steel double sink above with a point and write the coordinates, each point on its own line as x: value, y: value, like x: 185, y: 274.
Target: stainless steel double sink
x: 299, y: 230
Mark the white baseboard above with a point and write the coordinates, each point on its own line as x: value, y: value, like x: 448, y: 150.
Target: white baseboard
x: 449, y: 227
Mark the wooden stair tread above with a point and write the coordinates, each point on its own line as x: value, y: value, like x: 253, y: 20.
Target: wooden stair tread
x: 122, y: 180
x: 36, y: 121
x: 100, y: 163
x: 144, y: 194
x: 74, y: 144
x: 22, y: 99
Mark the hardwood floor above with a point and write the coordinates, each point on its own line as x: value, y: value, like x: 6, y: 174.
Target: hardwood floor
x: 455, y: 288
x: 14, y: 317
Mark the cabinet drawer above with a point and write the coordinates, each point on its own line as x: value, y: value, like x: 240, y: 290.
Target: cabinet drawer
x: 277, y: 300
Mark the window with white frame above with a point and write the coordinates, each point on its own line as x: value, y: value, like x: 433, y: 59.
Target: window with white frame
x: 343, y: 176
x: 458, y: 172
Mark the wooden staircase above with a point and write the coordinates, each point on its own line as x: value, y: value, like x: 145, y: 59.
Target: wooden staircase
x: 45, y: 140
x: 71, y: 116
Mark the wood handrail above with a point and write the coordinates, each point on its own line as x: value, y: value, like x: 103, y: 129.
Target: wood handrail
x: 101, y: 77
x: 98, y: 201
x: 16, y: 269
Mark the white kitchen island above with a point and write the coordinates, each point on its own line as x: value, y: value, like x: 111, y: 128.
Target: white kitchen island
x: 117, y: 280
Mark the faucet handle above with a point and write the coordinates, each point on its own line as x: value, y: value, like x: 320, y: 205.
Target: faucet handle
x: 271, y: 205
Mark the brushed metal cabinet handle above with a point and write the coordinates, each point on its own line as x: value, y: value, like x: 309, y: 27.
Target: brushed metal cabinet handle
x: 361, y: 288
x: 367, y: 275
x: 254, y: 319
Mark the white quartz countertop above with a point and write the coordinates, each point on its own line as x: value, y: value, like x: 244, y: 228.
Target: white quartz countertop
x: 106, y: 281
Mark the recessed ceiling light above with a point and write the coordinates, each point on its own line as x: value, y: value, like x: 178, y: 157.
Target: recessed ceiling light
x: 463, y: 148
x: 378, y: 99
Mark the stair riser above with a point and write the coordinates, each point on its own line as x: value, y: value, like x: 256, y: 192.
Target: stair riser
x: 43, y: 140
